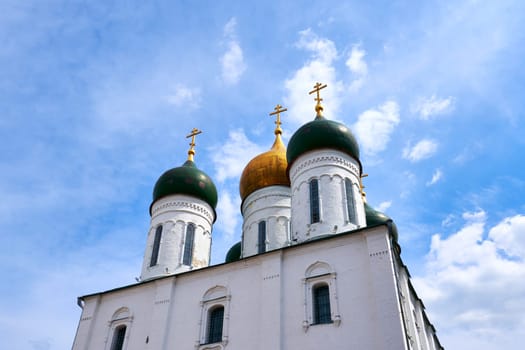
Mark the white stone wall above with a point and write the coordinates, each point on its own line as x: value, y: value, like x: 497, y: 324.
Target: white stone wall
x: 330, y: 168
x: 420, y: 333
x: 271, y: 204
x: 174, y: 213
x: 265, y: 299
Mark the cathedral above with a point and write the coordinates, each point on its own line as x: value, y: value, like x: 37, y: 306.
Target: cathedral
x: 316, y: 267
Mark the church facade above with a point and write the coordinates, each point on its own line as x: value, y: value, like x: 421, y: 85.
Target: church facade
x: 316, y: 267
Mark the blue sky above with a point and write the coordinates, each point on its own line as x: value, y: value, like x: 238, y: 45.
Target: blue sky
x: 97, y: 96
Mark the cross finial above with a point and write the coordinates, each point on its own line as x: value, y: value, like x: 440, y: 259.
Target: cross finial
x: 191, y: 152
x: 278, y: 110
x: 361, y: 186
x: 318, y: 108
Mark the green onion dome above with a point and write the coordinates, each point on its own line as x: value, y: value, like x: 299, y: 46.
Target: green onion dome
x: 375, y: 218
x: 234, y: 253
x: 186, y: 179
x: 322, y: 133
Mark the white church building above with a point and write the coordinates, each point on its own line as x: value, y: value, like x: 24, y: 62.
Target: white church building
x: 317, y: 267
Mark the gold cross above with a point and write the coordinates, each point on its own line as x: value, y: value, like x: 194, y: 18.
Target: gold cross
x: 191, y: 152
x: 361, y: 186
x: 318, y: 108
x: 278, y: 110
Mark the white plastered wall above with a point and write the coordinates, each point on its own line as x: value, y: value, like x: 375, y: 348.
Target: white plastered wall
x: 265, y: 298
x: 330, y: 168
x: 174, y: 213
x: 271, y: 204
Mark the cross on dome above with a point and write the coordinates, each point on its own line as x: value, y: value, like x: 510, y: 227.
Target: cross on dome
x: 318, y: 108
x: 191, y: 152
x: 278, y: 110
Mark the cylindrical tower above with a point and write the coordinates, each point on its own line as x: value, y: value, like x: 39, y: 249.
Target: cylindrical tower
x: 265, y: 194
x: 182, y: 216
x: 324, y: 172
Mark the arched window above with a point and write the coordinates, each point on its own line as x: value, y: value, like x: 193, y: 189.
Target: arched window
x: 350, y: 201
x: 261, y: 247
x: 321, y: 304
x: 156, y: 247
x: 314, y: 201
x: 215, y: 321
x: 320, y: 297
x: 215, y: 316
x: 118, y: 338
x: 188, y: 245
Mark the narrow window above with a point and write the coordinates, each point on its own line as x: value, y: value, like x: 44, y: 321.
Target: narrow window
x: 156, y: 247
x: 216, y: 316
x: 118, y: 338
x: 350, y: 201
x: 262, y: 237
x: 188, y: 245
x: 321, y: 304
x: 314, y: 201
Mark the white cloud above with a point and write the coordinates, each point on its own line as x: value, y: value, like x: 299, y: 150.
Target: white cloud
x: 508, y: 235
x: 358, y: 66
x: 230, y: 158
x: 374, y: 126
x: 421, y: 150
x: 356, y: 62
x: 383, y: 206
x: 232, y: 61
x: 438, y: 174
x: 185, y: 96
x: 228, y: 214
x: 319, y: 68
x: 432, y: 106
x: 475, y: 284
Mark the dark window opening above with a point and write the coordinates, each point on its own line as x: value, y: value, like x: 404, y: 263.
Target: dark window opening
x: 350, y: 201
x: 118, y: 338
x: 262, y: 237
x: 215, y: 321
x: 156, y: 247
x: 314, y: 201
x: 321, y: 304
x: 188, y: 245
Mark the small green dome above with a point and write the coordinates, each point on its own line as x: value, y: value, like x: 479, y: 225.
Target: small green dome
x: 186, y: 179
x: 234, y: 253
x: 374, y: 218
x: 322, y: 133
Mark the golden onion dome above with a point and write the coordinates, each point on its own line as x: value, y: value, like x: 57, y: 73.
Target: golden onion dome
x: 267, y: 169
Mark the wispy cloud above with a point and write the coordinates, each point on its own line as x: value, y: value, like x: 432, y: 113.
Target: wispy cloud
x: 438, y: 174
x: 185, y: 96
x: 474, y: 268
x: 232, y: 60
x: 357, y: 65
x: 421, y: 150
x: 432, y: 106
x: 230, y: 158
x: 319, y: 68
x: 374, y: 126
x: 383, y: 206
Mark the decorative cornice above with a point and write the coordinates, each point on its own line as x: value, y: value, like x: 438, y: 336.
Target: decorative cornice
x: 329, y: 160
x: 183, y: 205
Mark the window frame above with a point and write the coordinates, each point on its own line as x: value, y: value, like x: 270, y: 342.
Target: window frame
x: 215, y: 297
x: 121, y: 318
x: 211, y: 333
x: 155, y: 249
x: 261, y: 237
x: 189, y: 243
x: 314, y: 201
x: 351, y: 213
x: 320, y: 273
x: 319, y: 315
